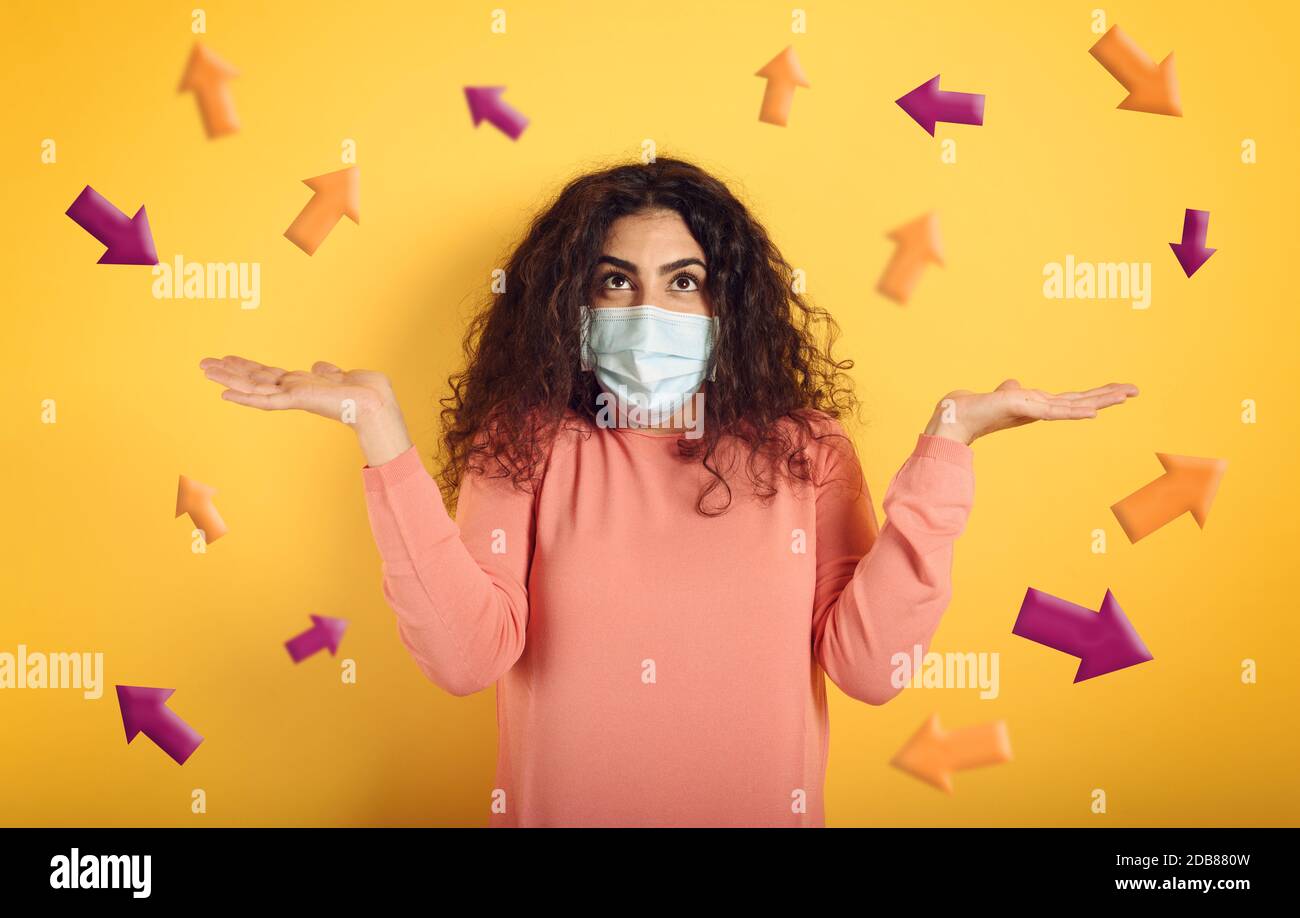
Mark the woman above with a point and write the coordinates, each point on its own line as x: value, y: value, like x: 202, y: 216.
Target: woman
x: 662, y: 537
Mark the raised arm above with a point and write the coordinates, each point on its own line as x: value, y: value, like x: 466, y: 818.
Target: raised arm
x: 458, y: 588
x: 881, y: 591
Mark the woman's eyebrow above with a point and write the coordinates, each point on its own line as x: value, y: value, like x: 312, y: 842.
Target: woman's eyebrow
x: 663, y: 269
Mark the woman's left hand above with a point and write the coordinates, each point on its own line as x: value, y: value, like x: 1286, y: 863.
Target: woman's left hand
x: 965, y: 416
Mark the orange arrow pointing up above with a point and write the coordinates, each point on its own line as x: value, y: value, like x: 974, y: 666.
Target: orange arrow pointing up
x: 337, y: 194
x: 783, y: 74
x: 208, y: 77
x: 1150, y: 88
x: 933, y: 755
x: 918, y: 243
x: 195, y: 498
x: 1188, y: 485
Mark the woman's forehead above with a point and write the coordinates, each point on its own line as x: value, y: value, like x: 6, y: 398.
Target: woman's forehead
x: 650, y: 233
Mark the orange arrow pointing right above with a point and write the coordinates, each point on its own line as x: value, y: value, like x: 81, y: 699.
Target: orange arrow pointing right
x: 195, y: 498
x: 918, y: 244
x: 933, y: 755
x: 337, y: 194
x: 1187, y: 486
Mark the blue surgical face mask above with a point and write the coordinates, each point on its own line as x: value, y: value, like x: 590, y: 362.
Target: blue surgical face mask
x: 653, y: 358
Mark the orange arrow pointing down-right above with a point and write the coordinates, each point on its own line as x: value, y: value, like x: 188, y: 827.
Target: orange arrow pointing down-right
x: 1187, y: 486
x: 1152, y: 89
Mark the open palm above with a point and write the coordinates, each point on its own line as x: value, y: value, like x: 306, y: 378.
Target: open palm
x: 325, y: 390
x: 964, y: 415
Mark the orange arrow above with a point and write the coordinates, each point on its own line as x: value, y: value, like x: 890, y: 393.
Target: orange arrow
x: 208, y: 77
x: 1150, y: 88
x: 195, y: 498
x: 337, y: 193
x: 1188, y: 485
x: 933, y: 755
x: 918, y: 243
x: 783, y: 74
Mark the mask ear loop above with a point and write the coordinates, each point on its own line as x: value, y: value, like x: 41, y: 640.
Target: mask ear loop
x: 713, y: 356
x: 584, y: 358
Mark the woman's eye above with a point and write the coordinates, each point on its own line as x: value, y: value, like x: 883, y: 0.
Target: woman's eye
x: 616, y: 282
x: 685, y: 283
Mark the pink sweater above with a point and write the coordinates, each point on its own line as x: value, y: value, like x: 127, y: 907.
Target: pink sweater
x: 653, y: 666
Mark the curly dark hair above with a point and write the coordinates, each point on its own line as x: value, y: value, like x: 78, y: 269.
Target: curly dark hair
x: 522, y: 381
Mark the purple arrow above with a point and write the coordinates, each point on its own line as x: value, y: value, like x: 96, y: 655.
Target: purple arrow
x: 1104, y: 641
x: 144, y: 710
x: 324, y: 632
x: 128, y: 242
x: 1192, y: 252
x: 485, y: 103
x: 927, y: 105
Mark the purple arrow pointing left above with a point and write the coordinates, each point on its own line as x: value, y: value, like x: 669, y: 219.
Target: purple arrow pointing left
x: 927, y: 104
x: 127, y: 241
x: 144, y: 710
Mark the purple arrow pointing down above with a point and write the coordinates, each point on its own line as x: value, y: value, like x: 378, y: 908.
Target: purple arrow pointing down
x: 1103, y: 641
x: 144, y: 710
x: 1191, y: 252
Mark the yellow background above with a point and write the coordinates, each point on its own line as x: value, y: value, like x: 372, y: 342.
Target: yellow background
x: 94, y: 561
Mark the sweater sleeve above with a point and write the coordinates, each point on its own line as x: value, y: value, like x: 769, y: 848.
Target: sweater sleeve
x: 880, y: 591
x: 458, y: 587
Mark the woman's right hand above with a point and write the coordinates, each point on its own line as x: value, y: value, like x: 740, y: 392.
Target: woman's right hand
x: 363, y: 399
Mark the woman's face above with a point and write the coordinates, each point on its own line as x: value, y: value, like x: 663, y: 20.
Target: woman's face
x: 651, y: 258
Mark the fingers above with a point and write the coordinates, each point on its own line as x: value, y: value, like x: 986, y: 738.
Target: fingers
x: 1053, y: 409
x: 256, y: 385
x: 1096, y: 401
x: 1103, y: 401
x: 237, y: 364
x: 279, y: 400
x: 1128, y: 389
x: 242, y: 363
x: 248, y: 382
x: 239, y: 382
x: 231, y: 366
x: 1104, y: 397
x: 1100, y: 397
